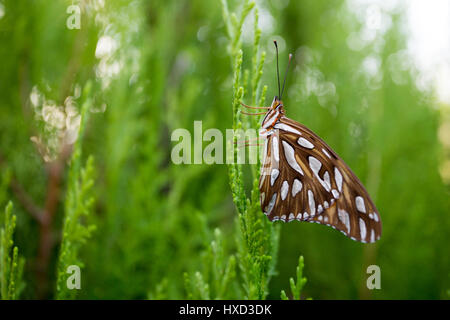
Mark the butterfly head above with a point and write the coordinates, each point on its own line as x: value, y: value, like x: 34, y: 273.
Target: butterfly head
x: 274, y: 114
x: 276, y: 102
x: 277, y: 105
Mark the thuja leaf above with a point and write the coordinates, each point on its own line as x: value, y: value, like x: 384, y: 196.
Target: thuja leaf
x: 11, y: 265
x: 298, y: 284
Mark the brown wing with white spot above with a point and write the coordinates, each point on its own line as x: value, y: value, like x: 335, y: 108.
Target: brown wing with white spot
x: 303, y: 179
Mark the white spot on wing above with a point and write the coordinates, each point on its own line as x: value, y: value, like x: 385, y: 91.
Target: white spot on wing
x: 312, y: 204
x: 266, y: 149
x: 345, y: 218
x: 299, y: 216
x: 362, y: 228
x: 372, y: 235
x: 326, y: 178
x: 290, y: 157
x: 326, y: 153
x: 273, y: 176
x: 375, y: 216
x: 335, y: 194
x: 275, y: 148
x: 305, y: 143
x: 284, y: 189
x: 291, y: 217
x: 261, y: 181
x: 315, y: 166
x: 296, y: 187
x: 338, y: 178
x: 271, y: 204
x: 285, y: 127
x: 360, y: 204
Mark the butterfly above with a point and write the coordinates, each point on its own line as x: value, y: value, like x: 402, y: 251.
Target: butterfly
x: 303, y: 179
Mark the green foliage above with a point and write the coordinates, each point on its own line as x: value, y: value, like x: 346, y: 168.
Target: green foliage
x: 296, y: 286
x: 217, y: 279
x: 258, y: 240
x: 76, y: 232
x: 78, y: 208
x: 11, y: 265
x: 4, y: 183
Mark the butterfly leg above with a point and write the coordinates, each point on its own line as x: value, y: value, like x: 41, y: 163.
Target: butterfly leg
x: 253, y: 114
x: 246, y: 106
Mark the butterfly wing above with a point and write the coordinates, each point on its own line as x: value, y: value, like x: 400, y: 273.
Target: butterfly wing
x: 303, y: 179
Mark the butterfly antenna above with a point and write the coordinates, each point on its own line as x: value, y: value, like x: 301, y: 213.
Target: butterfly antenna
x: 285, y: 74
x: 278, y: 70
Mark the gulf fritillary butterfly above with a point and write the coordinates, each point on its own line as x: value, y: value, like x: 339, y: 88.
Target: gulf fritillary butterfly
x: 303, y: 179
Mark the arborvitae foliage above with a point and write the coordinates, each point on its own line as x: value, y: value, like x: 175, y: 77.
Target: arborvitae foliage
x: 11, y: 264
x: 78, y: 208
x: 258, y: 239
x: 217, y: 279
x: 296, y: 285
x: 76, y: 231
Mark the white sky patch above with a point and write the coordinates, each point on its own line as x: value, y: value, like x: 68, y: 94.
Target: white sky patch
x: 428, y: 31
x: 429, y: 43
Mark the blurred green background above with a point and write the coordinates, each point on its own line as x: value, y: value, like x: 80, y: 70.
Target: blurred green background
x: 136, y: 70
